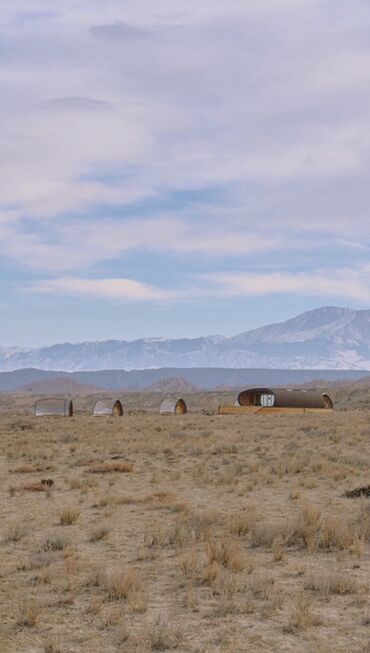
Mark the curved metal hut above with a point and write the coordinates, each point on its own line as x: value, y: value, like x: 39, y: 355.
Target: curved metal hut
x: 111, y: 407
x: 173, y: 407
x: 54, y: 406
x: 284, y: 398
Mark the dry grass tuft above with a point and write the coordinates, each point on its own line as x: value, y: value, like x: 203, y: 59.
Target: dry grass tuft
x: 32, y: 487
x: 333, y: 583
x: 57, y: 543
x: 99, y: 533
x: 33, y: 469
x: 303, y: 616
x: 226, y: 553
x: 15, y: 532
x: 318, y: 531
x: 69, y: 516
x: 159, y: 635
x: 122, y: 584
x: 51, y: 646
x: 242, y: 522
x: 28, y: 613
x: 107, y: 468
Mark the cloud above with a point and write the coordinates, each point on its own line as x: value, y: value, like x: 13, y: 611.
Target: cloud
x: 341, y: 283
x: 78, y: 103
x: 118, y: 289
x: 266, y: 103
x: 348, y: 284
x: 73, y: 246
x: 119, y: 31
x: 231, y: 99
x: 25, y: 17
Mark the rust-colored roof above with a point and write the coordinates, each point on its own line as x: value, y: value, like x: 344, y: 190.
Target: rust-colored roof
x: 286, y: 398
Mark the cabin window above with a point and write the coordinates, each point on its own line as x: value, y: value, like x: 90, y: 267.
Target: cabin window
x: 267, y: 400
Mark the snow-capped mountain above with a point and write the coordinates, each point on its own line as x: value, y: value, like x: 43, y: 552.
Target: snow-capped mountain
x: 325, y: 338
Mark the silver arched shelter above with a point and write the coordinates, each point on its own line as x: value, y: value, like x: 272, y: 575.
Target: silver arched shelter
x: 112, y: 407
x: 173, y: 407
x: 54, y: 406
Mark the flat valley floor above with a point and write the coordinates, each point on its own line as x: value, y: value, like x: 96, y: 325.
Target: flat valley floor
x: 195, y: 533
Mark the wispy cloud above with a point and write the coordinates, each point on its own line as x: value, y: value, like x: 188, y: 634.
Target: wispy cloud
x: 75, y: 245
x: 119, y: 31
x: 77, y: 103
x: 340, y: 283
x: 121, y: 289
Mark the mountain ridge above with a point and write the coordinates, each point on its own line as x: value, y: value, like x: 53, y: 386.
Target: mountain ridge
x: 325, y: 338
x: 26, y: 380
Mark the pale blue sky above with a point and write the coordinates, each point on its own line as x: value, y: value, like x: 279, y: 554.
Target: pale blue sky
x: 180, y: 168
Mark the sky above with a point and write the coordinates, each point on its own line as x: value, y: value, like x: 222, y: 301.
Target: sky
x: 180, y: 168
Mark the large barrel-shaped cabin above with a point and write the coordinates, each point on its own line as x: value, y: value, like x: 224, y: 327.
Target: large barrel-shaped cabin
x: 278, y: 400
x: 284, y: 398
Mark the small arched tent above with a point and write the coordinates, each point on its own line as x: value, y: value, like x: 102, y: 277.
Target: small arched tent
x: 54, y: 406
x: 284, y: 398
x: 112, y: 407
x: 173, y: 407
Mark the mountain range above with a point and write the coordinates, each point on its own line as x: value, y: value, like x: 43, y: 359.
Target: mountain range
x: 331, y: 338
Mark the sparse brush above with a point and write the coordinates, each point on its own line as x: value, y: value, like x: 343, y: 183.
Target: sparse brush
x: 33, y: 469
x: 122, y: 584
x: 57, y: 543
x: 45, y: 577
x: 294, y: 494
x: 95, y: 605
x: 226, y: 553
x: 106, y: 468
x: 261, y: 585
x: 332, y: 583
x: 166, y: 536
x: 318, y: 531
x: 190, y: 598
x: 159, y: 635
x: 242, y: 522
x: 200, y: 524
x: 15, y: 532
x: 277, y: 550
x: 69, y: 516
x: 99, y: 533
x: 36, y: 561
x: 52, y: 646
x: 29, y: 610
x: 303, y: 617
x: 265, y: 533
x: 111, y: 618
x: 32, y: 487
x: 82, y: 484
x: 191, y: 563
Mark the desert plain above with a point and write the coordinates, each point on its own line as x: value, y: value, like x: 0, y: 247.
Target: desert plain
x: 195, y: 533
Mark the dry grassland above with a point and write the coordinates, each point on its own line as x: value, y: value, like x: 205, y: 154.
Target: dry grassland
x: 195, y: 533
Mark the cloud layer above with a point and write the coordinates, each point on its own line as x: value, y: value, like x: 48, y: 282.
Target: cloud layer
x: 203, y: 149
